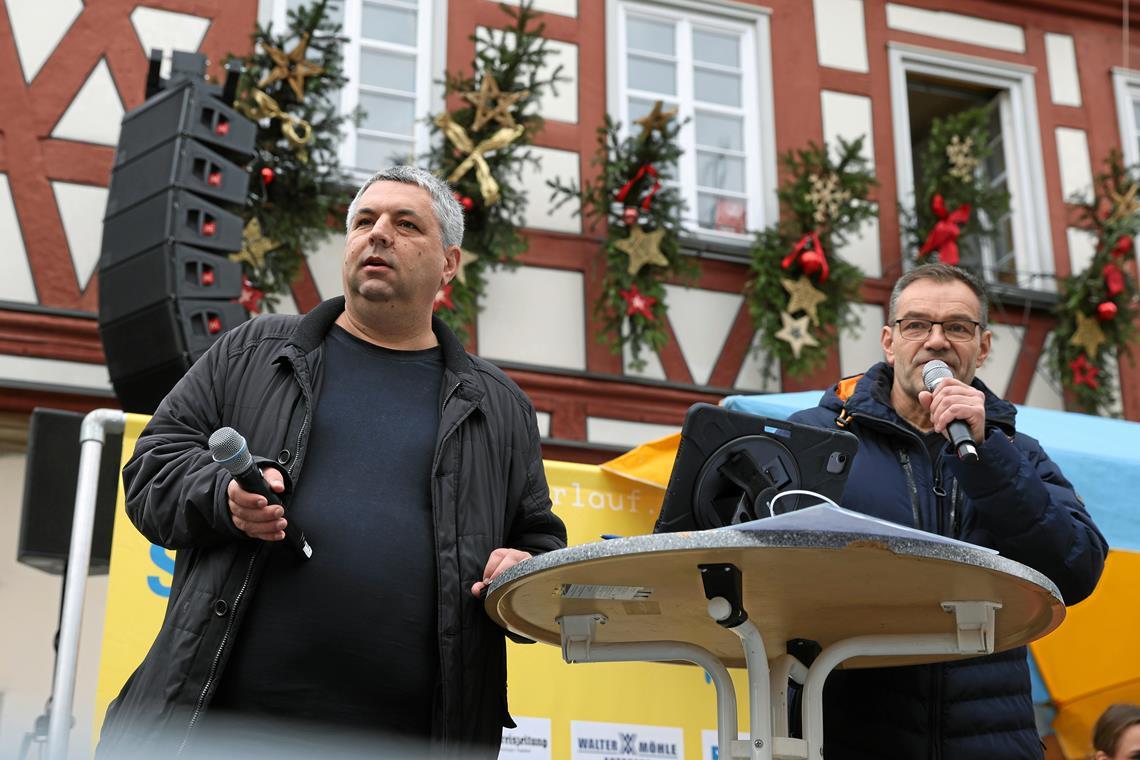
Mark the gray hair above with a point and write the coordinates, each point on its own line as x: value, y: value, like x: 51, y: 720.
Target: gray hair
x: 447, y: 210
x: 943, y: 273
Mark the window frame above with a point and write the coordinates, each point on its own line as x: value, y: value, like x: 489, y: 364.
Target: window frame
x: 1126, y: 85
x: 1021, y: 136
x: 431, y: 37
x: 756, y: 102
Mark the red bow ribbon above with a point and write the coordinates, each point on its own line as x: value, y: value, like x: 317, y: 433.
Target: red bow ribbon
x: 944, y: 237
x: 809, y: 252
x: 250, y: 296
x: 1113, y: 279
x: 647, y: 169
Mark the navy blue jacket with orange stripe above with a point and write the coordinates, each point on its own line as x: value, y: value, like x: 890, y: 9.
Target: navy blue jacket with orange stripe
x: 1014, y: 499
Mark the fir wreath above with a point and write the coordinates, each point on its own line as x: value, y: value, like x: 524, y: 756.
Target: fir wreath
x: 794, y: 266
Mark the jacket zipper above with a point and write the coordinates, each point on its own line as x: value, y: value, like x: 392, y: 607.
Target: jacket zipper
x: 237, y: 600
x: 954, y: 508
x: 939, y: 499
x: 435, y: 538
x: 218, y: 654
x: 912, y: 487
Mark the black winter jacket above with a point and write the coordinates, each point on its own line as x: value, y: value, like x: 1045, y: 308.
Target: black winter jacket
x: 488, y: 490
x: 1015, y: 500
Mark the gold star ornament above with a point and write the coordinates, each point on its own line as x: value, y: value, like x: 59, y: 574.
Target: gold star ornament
x: 492, y: 104
x: 465, y: 258
x: 643, y: 248
x: 254, y: 245
x: 1124, y: 206
x: 1088, y: 336
x: 655, y: 119
x: 795, y: 333
x: 804, y: 297
x: 292, y: 67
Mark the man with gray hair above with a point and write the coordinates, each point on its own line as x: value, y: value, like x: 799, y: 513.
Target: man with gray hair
x: 1011, y: 497
x: 416, y: 471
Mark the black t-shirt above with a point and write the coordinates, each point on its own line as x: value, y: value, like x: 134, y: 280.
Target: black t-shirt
x: 349, y: 637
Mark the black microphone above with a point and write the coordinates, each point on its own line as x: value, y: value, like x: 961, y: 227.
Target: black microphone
x: 228, y: 448
x: 933, y: 373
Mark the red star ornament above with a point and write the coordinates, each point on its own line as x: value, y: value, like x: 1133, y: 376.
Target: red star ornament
x: 1084, y: 372
x: 638, y: 303
x: 443, y: 299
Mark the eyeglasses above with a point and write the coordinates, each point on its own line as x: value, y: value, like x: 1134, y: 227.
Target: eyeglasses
x: 957, y: 330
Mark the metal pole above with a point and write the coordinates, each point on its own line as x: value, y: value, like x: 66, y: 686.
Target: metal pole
x: 91, y: 436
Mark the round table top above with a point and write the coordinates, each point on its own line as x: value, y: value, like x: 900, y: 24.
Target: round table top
x: 797, y: 584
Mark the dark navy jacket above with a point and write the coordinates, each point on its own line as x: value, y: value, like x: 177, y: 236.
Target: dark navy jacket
x: 1015, y: 500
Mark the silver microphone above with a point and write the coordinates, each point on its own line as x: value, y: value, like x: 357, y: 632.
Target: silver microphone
x: 933, y: 373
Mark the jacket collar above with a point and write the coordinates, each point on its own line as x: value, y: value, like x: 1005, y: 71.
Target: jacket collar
x: 872, y: 398
x: 313, y: 327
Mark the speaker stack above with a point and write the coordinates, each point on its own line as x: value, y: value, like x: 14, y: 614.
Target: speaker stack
x: 167, y: 289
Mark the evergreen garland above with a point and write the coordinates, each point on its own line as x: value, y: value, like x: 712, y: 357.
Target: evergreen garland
x: 501, y: 93
x: 636, y: 196
x: 1096, y: 317
x: 823, y: 202
x: 296, y: 183
x: 955, y: 206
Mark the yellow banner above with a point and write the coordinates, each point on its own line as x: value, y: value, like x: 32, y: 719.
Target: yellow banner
x: 564, y: 711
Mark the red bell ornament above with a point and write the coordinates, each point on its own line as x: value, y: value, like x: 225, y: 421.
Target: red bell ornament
x: 1106, y: 312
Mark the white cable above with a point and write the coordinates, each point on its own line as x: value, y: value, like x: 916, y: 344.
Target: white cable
x: 777, y: 497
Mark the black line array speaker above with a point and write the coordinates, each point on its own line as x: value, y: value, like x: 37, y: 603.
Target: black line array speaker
x: 50, y: 478
x: 167, y: 289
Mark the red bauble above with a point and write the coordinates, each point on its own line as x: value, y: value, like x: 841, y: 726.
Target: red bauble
x: 466, y: 203
x: 1106, y: 312
x: 267, y: 175
x: 1123, y: 246
x: 811, y: 262
x: 629, y: 215
x: 1113, y: 279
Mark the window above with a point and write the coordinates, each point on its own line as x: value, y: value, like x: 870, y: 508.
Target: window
x: 1127, y: 85
x: 712, y: 64
x: 388, y: 59
x: 927, y: 84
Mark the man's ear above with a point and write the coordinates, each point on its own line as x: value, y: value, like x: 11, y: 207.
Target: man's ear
x: 450, y: 263
x: 887, y: 341
x: 984, y: 349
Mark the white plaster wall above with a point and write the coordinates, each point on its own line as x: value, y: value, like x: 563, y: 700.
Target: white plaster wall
x: 751, y: 376
x: 1061, y: 57
x: 1044, y: 390
x: 955, y: 26
x: 862, y: 248
x: 1073, y: 156
x: 1082, y: 248
x: 625, y: 433
x: 858, y: 352
x: 96, y: 112
x: 37, y: 27
x: 847, y: 116
x: 997, y: 370
x: 540, y: 212
x: 16, y: 282
x: 701, y: 320
x: 840, y: 34
x: 561, y: 7
x: 534, y: 315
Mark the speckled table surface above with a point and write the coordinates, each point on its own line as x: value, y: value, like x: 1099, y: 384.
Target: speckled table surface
x: 823, y: 586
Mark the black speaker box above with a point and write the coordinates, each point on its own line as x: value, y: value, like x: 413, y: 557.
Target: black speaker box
x: 164, y: 272
x: 50, y: 479
x: 186, y: 108
x: 177, y: 163
x: 175, y: 215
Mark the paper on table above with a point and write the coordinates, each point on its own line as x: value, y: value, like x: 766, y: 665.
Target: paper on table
x: 828, y: 519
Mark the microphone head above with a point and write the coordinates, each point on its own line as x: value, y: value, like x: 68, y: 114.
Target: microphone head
x: 227, y: 447
x: 934, y: 372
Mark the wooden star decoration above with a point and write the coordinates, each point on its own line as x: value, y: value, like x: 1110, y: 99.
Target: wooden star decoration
x: 1124, y: 205
x: 804, y: 297
x: 465, y: 258
x: 254, y: 245
x: 643, y: 248
x: 503, y: 102
x: 795, y: 333
x: 655, y: 119
x: 1088, y: 335
x: 292, y: 67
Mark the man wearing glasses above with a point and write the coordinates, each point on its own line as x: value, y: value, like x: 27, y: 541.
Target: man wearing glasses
x: 1012, y: 498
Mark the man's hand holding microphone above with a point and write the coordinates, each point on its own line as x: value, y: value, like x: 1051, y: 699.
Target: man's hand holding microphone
x: 252, y: 494
x: 957, y: 410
